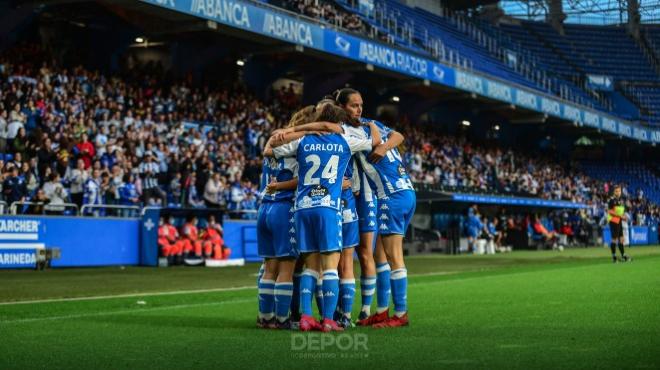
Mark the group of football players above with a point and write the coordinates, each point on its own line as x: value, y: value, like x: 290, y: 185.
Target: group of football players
x: 333, y: 182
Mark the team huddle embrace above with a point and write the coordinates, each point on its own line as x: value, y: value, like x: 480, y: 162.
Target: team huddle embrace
x: 333, y: 183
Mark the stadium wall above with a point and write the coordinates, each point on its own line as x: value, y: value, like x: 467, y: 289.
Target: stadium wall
x: 82, y: 241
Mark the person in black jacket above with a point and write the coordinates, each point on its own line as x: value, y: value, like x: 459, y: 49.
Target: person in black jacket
x: 14, y: 187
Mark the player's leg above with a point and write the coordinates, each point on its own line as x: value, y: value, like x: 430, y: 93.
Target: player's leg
x: 368, y: 225
x: 284, y: 291
x: 346, y: 287
x: 330, y: 277
x: 330, y: 241
x: 207, y: 245
x: 382, y: 287
x: 266, y: 283
x: 187, y: 247
x: 368, y: 273
x: 622, y: 248
x: 295, y: 299
x: 350, y: 239
x: 267, y: 293
x: 308, y: 282
x: 401, y: 209
x: 307, y: 245
x: 287, y: 253
x: 614, y: 240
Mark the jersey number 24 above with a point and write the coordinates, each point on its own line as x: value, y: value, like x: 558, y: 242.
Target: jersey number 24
x: 329, y: 171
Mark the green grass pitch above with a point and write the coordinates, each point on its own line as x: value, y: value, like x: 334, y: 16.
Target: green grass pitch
x: 524, y: 310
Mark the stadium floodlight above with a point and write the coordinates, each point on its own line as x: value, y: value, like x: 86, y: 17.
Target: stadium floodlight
x: 496, y: 128
x: 465, y: 123
x: 395, y: 99
x: 139, y: 40
x: 240, y: 62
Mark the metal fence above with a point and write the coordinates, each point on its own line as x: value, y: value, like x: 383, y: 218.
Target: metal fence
x: 41, y: 208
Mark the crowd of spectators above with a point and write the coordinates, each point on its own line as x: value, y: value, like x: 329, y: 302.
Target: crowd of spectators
x: 455, y: 164
x: 79, y: 136
x: 329, y: 12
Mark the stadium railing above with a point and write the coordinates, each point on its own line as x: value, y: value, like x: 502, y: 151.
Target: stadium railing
x: 3, y: 207
x: 54, y: 208
x: 110, y: 210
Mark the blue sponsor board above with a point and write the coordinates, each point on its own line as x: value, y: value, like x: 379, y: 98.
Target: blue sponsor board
x: 19, y: 242
x: 639, y: 235
x: 18, y: 258
x: 514, y: 201
x: 274, y: 23
x: 82, y: 241
x: 382, y: 56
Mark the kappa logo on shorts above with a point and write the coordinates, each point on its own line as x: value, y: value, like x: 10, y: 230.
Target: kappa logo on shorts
x: 292, y: 240
x: 372, y: 214
x: 292, y: 220
x: 384, y: 227
x: 384, y: 207
x: 384, y: 217
x: 371, y: 205
x: 329, y: 294
x: 372, y: 223
x: 292, y: 230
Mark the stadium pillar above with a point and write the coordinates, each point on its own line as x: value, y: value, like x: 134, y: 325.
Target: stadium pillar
x: 633, y: 18
x: 556, y: 15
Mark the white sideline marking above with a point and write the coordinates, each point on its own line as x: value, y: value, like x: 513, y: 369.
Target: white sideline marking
x: 197, y: 291
x: 120, y: 312
x: 146, y: 294
x: 152, y: 294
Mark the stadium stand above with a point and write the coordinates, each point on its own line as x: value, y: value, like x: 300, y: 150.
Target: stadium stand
x: 530, y: 54
x: 116, y: 124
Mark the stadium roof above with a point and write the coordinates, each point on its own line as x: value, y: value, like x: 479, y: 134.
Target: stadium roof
x: 597, y: 12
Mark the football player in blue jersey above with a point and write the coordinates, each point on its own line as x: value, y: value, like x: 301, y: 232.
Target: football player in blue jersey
x: 350, y: 228
x: 322, y: 162
x: 375, y: 273
x: 276, y: 237
x: 389, y: 179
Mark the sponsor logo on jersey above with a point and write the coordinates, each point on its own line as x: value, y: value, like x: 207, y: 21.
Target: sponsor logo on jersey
x: 402, y: 170
x: 318, y: 192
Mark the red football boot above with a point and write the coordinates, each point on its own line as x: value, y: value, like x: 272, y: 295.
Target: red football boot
x: 393, y: 322
x: 374, y: 319
x: 329, y: 325
x: 308, y: 323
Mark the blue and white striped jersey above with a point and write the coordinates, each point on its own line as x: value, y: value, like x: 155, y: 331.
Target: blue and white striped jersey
x: 282, y: 169
x: 322, y: 162
x: 388, y: 176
